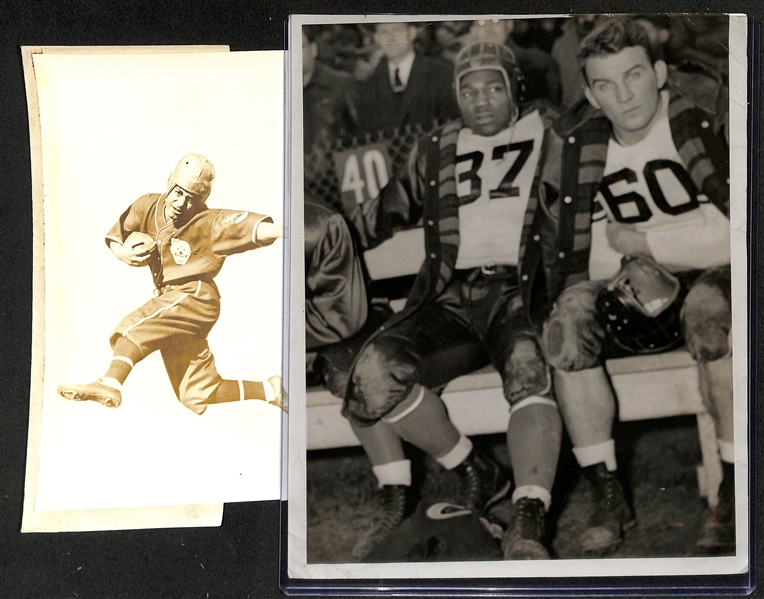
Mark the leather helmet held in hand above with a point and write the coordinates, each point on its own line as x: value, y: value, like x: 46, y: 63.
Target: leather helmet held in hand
x: 639, y: 307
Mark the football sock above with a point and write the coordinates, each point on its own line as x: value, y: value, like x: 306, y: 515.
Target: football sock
x: 457, y: 454
x: 229, y: 390
x: 421, y: 419
x: 533, y: 440
x: 533, y: 492
x: 726, y: 451
x: 594, y: 454
x: 394, y: 473
x: 126, y: 355
x: 380, y: 442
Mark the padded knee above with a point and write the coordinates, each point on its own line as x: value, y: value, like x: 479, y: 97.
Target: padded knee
x: 383, y: 376
x: 572, y: 337
x: 525, y: 372
x: 707, y: 320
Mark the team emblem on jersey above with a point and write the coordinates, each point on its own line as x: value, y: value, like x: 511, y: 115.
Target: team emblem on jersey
x: 180, y: 251
x: 235, y: 218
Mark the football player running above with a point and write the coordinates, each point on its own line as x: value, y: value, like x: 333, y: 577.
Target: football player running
x: 185, y: 244
x: 480, y: 188
x: 648, y: 183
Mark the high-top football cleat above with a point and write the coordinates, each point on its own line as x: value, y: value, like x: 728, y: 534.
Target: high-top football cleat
x: 612, y: 514
x: 394, y: 500
x: 524, y: 536
x: 485, y: 482
x: 96, y: 391
x: 718, y: 534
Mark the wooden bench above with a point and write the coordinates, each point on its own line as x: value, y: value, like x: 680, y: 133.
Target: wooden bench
x: 647, y: 387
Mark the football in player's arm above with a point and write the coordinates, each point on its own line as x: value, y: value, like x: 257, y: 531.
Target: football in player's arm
x: 185, y: 244
x: 644, y: 254
x: 479, y: 187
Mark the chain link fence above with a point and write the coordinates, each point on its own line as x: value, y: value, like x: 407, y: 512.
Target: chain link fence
x: 352, y: 170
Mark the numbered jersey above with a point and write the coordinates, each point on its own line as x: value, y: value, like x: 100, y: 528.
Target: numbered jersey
x: 494, y: 176
x: 646, y: 185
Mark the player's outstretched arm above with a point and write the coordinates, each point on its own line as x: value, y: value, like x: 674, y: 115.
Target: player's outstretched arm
x: 268, y: 232
x: 132, y: 255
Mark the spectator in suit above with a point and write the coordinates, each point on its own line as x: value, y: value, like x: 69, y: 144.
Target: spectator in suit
x: 406, y: 87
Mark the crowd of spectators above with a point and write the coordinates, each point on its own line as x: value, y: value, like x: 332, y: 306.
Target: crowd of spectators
x: 350, y: 69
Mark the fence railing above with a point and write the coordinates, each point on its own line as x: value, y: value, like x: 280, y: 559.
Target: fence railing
x: 349, y: 171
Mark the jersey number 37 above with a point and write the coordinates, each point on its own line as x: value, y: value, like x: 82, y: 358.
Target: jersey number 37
x: 506, y: 188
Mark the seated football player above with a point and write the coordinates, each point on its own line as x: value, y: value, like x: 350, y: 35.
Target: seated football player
x: 476, y: 187
x: 647, y: 196
x: 336, y: 301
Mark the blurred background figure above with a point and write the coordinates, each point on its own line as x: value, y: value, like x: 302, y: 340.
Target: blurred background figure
x: 406, y: 87
x: 329, y: 98
x: 339, y: 314
x: 565, y: 52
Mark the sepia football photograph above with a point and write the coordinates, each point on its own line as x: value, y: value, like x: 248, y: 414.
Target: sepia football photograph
x: 156, y: 321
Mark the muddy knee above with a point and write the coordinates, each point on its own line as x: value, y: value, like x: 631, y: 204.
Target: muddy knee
x: 383, y: 376
x: 706, y: 322
x: 572, y: 337
x: 525, y: 372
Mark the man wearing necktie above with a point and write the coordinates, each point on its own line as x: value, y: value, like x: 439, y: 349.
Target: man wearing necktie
x: 406, y: 88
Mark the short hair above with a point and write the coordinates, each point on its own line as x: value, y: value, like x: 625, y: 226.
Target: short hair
x: 611, y: 37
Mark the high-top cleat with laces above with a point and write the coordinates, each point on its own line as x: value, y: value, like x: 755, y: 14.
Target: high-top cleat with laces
x: 718, y: 534
x: 394, y: 500
x: 612, y: 513
x: 524, y: 536
x: 96, y: 391
x: 485, y: 482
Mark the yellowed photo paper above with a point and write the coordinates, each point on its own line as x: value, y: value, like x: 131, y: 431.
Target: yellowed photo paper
x: 158, y: 286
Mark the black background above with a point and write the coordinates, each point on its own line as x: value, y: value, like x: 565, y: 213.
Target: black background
x: 239, y: 559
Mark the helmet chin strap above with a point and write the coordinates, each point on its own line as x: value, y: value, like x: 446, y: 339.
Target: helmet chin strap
x: 515, y: 114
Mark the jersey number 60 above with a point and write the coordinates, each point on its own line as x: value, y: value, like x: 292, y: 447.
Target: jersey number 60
x: 636, y: 200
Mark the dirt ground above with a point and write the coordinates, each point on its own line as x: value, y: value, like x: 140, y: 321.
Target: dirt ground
x: 659, y: 458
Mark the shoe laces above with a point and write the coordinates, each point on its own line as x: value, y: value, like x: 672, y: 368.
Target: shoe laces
x: 472, y: 477
x: 610, y: 492
x: 528, y: 520
x: 482, y: 480
x: 394, y: 502
x: 610, y: 509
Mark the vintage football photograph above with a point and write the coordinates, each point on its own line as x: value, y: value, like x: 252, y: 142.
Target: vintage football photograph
x: 524, y: 276
x: 159, y: 250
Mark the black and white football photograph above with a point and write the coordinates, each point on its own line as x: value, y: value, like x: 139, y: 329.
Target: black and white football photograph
x: 522, y: 274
